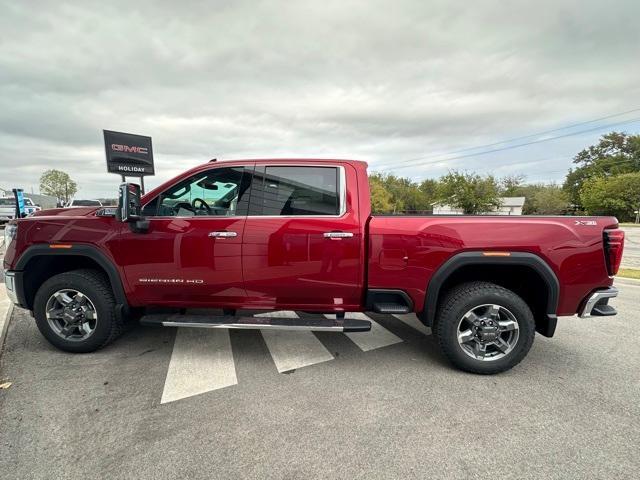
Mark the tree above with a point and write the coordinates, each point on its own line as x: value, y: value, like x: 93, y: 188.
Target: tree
x: 618, y: 195
x: 381, y: 200
x: 58, y: 184
x: 511, y: 185
x: 614, y: 154
x: 549, y: 200
x: 429, y: 191
x: 470, y: 192
x: 540, y: 198
x: 405, y: 194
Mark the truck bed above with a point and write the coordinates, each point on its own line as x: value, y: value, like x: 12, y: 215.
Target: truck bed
x: 407, y: 249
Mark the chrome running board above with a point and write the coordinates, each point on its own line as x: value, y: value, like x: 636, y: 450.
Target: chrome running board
x: 253, y: 323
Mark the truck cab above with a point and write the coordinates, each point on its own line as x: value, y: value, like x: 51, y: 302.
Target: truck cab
x: 264, y: 235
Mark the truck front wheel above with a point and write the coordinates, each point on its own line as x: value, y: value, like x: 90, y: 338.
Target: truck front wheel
x: 75, y: 311
x: 484, y: 328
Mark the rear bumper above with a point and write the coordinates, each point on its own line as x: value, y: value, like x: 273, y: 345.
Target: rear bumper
x: 15, y: 290
x: 597, y: 304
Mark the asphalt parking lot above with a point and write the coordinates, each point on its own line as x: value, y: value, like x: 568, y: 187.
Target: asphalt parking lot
x: 179, y: 403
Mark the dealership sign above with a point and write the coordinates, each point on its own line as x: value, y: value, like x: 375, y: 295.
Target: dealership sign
x: 128, y: 154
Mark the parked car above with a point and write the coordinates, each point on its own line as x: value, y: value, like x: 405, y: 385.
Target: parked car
x: 8, y: 208
x: 83, y: 203
x: 299, y: 235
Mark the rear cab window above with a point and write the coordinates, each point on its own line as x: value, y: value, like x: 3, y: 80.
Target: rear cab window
x: 297, y: 190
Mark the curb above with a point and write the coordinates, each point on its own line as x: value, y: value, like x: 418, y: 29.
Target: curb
x: 628, y: 281
x: 4, y: 324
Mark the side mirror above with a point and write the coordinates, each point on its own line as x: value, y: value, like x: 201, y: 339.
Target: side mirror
x: 129, y: 203
x: 129, y: 209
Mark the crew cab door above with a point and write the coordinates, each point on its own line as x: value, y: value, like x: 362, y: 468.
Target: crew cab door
x: 191, y: 253
x: 302, y: 240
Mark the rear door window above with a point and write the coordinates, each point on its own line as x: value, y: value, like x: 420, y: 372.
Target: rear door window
x: 295, y: 191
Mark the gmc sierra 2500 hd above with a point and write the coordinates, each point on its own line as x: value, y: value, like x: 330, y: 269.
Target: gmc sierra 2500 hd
x: 299, y: 235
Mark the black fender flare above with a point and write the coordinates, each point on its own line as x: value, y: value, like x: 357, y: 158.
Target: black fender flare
x: 80, y: 250
x: 545, y: 326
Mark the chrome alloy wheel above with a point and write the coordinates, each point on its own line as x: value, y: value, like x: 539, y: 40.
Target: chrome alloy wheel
x: 71, y: 315
x: 488, y: 332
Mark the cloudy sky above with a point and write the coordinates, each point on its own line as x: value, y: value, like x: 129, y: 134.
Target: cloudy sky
x: 398, y: 83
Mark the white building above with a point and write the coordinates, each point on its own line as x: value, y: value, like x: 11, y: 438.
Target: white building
x: 509, y: 206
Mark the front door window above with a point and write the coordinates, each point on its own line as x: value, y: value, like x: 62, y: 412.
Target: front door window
x: 213, y: 193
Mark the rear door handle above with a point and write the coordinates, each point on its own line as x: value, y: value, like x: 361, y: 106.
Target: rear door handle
x: 338, y: 234
x: 223, y: 234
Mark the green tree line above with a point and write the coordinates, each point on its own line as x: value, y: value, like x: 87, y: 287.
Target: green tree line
x: 604, y: 181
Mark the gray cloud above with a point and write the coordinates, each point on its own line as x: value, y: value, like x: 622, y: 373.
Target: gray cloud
x: 382, y: 81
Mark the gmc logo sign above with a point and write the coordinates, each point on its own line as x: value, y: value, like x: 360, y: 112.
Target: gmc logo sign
x: 126, y: 148
x: 128, y: 153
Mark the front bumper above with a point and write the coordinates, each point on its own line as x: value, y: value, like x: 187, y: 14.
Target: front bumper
x: 14, y: 284
x: 597, y: 305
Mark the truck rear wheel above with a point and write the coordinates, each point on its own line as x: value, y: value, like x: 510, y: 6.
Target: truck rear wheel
x: 75, y: 311
x: 484, y: 328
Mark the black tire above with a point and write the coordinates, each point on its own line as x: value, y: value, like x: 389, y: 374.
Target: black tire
x: 465, y: 297
x: 95, y: 286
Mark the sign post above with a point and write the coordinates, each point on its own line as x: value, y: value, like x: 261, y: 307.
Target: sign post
x: 129, y: 154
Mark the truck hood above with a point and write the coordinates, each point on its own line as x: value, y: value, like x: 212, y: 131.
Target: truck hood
x: 67, y: 212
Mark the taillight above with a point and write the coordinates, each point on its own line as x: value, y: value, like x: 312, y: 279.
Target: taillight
x: 613, y: 247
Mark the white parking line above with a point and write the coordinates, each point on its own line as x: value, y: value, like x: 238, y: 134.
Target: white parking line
x: 378, y: 337
x: 293, y: 349
x: 201, y: 361
x: 413, y: 321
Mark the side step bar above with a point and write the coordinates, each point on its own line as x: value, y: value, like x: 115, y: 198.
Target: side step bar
x: 390, y: 308
x: 266, y: 323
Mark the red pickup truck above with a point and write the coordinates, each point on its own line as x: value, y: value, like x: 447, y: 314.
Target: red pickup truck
x: 299, y: 235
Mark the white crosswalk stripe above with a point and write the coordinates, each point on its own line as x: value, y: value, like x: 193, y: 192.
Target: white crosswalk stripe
x: 378, y: 337
x: 413, y: 321
x: 201, y: 361
x: 293, y: 349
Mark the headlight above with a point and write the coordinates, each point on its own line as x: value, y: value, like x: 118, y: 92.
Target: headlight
x: 10, y: 231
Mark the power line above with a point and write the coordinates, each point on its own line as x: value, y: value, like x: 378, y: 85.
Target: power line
x: 609, y: 164
x: 544, y: 132
x: 510, y: 147
x: 548, y: 172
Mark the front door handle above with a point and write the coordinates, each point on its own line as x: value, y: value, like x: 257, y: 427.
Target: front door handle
x: 338, y: 234
x: 223, y: 234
